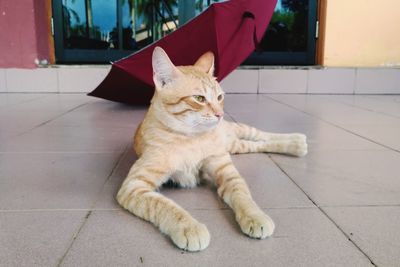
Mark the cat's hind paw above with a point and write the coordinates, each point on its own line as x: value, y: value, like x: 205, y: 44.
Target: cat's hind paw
x: 258, y: 225
x: 192, y: 236
x: 298, y: 148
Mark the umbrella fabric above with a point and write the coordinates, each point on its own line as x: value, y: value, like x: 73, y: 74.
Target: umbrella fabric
x: 231, y: 30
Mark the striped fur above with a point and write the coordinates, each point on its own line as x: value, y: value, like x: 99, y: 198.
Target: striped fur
x: 183, y: 139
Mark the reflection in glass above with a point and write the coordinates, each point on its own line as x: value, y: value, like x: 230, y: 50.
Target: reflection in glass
x: 90, y: 24
x: 201, y: 5
x: 287, y: 31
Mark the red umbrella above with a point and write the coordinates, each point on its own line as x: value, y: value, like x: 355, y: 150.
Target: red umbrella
x: 231, y: 30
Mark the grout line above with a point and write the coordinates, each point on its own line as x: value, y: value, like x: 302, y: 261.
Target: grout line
x: 323, y: 212
x: 74, y: 238
x: 54, y: 210
x: 335, y: 125
x: 50, y: 120
x: 23, y: 102
x: 120, y: 209
x: 64, y: 152
x: 90, y: 211
x: 355, y: 83
x: 362, y: 206
x: 58, y: 81
x: 368, y: 109
x: 118, y: 163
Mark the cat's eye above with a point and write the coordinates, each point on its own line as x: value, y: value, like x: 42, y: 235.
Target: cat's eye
x: 199, y: 98
x: 220, y: 97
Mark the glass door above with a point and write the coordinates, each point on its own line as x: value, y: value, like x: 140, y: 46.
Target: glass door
x: 100, y: 31
x: 291, y: 35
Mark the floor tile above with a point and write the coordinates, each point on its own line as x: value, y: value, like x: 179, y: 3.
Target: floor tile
x: 52, y: 180
x: 374, y: 229
x: 335, y: 112
x: 376, y: 103
x: 377, y: 127
x: 278, y: 118
x: 70, y: 139
x: 103, y: 114
x: 341, y: 178
x: 7, y: 100
x: 52, y: 103
x: 304, y: 237
x: 263, y: 109
x: 268, y: 185
x: 386, y: 135
x: 36, y: 238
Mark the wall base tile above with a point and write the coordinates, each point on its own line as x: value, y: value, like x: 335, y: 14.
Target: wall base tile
x: 3, y: 85
x: 378, y: 81
x: 278, y: 80
x: 331, y: 80
x: 31, y: 80
x: 241, y: 81
x: 288, y: 81
x: 80, y: 80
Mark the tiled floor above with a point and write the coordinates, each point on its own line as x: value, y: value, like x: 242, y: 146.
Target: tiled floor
x: 63, y: 157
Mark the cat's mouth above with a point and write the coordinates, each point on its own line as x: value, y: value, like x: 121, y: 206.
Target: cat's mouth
x: 212, y: 121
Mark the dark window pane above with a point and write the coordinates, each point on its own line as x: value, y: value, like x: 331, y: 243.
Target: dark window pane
x: 287, y: 31
x: 144, y: 22
x: 90, y: 24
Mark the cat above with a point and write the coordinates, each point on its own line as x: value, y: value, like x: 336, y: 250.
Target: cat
x: 184, y: 138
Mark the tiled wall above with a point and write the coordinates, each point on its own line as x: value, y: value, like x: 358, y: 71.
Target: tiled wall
x: 314, y: 81
x: 72, y: 79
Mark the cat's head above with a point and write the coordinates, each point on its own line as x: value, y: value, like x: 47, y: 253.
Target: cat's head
x: 188, y: 99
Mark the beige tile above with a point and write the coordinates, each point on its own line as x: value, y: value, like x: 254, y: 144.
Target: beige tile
x: 288, y: 81
x: 303, y: 237
x: 270, y: 188
x: 241, y: 81
x: 340, y: 178
x: 378, y: 81
x: 80, y: 79
x: 53, y: 180
x: 52, y: 138
x: 3, y: 84
x: 326, y: 108
x: 331, y: 81
x: 32, y: 80
x: 99, y: 113
x: 374, y: 229
x: 386, y: 104
x: 36, y: 238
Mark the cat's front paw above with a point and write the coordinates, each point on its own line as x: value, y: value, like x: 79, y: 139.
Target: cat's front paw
x: 192, y: 236
x: 257, y: 225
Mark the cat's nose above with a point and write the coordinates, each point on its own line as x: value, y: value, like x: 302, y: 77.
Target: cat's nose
x: 219, y: 115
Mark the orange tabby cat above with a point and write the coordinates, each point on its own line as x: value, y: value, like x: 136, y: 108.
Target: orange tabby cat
x: 184, y: 135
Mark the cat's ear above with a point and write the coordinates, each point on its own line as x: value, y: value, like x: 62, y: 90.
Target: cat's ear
x: 206, y: 63
x: 164, y: 71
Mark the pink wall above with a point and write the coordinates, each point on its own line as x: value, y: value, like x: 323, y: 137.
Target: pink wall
x: 24, y: 33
